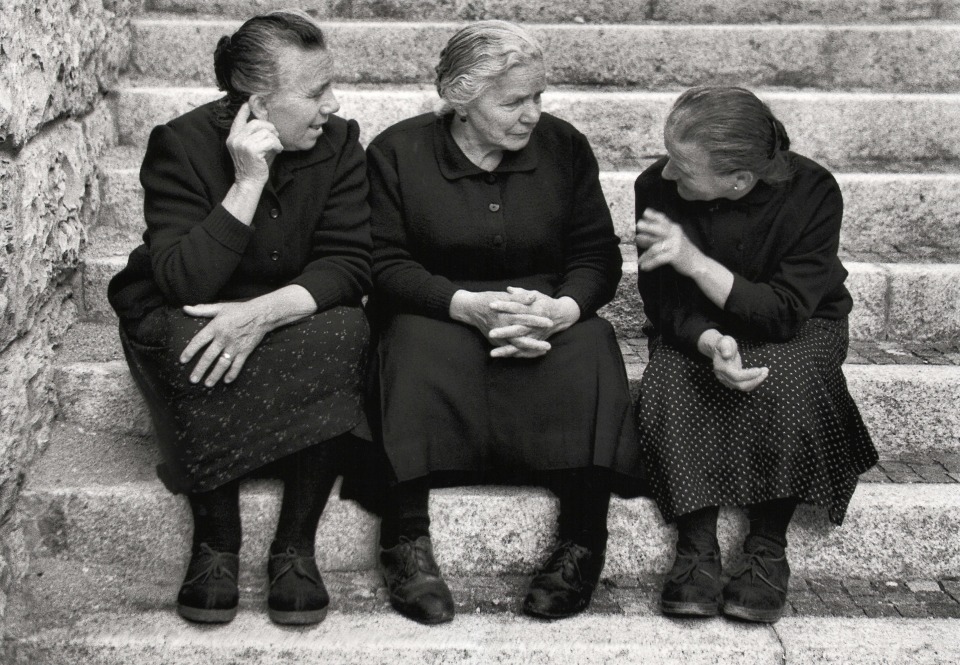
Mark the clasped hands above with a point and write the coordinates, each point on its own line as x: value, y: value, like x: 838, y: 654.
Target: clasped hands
x: 517, y: 321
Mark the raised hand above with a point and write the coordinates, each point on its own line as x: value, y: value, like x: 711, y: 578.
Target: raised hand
x: 662, y: 242
x: 728, y: 366
x: 252, y: 145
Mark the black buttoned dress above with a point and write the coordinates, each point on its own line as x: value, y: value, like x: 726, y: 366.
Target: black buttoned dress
x: 799, y: 434
x: 537, y: 221
x: 303, y: 384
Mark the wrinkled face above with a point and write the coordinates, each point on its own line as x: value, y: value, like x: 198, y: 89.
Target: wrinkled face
x: 304, y: 98
x: 689, y: 165
x: 503, y: 117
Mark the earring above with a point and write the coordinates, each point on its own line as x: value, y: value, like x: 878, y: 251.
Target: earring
x: 736, y: 188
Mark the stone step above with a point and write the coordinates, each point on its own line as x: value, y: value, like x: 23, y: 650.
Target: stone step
x: 902, y: 301
x: 909, y: 58
x: 576, y: 11
x: 844, y: 131
x: 71, y: 615
x: 900, y: 530
x: 887, y: 217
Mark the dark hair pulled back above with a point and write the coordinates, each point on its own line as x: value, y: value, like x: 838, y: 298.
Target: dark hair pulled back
x: 737, y: 130
x: 246, y: 62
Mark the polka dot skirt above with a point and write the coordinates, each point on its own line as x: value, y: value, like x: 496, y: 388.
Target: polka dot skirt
x: 799, y: 434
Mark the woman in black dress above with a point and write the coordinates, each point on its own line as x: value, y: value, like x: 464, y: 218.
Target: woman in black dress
x: 743, y: 402
x: 493, y: 250
x: 240, y: 315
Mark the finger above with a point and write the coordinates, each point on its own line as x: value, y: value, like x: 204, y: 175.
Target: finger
x: 220, y: 367
x: 206, y: 361
x: 197, y: 342
x: 238, y: 362
x: 529, y: 320
x: 748, y: 386
x: 207, y: 311
x: 656, y: 217
x: 523, y: 295
x: 530, y: 344
x: 505, y: 351
x: 255, y: 127
x: 727, y: 346
x: 506, y: 332
x: 243, y: 114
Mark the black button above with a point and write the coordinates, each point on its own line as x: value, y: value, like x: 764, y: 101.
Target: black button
x: 740, y: 246
x: 275, y: 255
x: 490, y: 178
x: 274, y: 213
x: 497, y: 240
x: 494, y: 207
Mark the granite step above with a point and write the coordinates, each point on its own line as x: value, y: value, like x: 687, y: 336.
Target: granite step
x: 86, y: 479
x: 577, y: 12
x: 911, y: 58
x: 900, y: 301
x: 845, y: 131
x: 887, y: 217
x: 108, y: 615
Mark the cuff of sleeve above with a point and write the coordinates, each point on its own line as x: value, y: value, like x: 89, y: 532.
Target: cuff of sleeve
x: 583, y: 294
x: 739, y: 301
x: 691, y: 329
x: 228, y: 230
x: 324, y: 286
x: 437, y: 299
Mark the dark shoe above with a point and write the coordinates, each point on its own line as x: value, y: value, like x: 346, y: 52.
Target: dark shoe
x: 565, y: 584
x: 757, y: 591
x: 692, y: 587
x: 209, y: 591
x: 417, y: 591
x: 297, y: 595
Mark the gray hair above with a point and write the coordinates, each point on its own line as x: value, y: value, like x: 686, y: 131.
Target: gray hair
x: 246, y: 62
x: 476, y: 56
x: 737, y: 130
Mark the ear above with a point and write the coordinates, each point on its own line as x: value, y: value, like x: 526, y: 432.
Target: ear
x: 258, y: 107
x: 744, y: 179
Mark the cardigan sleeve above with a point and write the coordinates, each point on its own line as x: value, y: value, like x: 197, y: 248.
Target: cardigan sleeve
x: 194, y: 243
x: 340, y: 272
x: 775, y: 308
x: 592, y: 261
x: 397, y: 275
x: 674, y: 305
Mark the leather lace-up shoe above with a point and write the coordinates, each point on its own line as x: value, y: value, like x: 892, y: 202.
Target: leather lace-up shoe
x: 297, y: 594
x: 417, y: 590
x: 209, y: 591
x: 692, y: 587
x: 757, y: 590
x: 565, y: 583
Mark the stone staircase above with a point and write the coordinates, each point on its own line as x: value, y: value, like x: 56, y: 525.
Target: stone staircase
x: 869, y: 88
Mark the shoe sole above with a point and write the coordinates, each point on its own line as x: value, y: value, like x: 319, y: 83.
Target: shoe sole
x: 298, y: 618
x: 683, y: 609
x: 199, y: 615
x: 752, y: 614
x: 426, y: 621
x: 539, y: 614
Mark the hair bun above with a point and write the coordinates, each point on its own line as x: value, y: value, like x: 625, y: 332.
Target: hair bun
x: 223, y: 63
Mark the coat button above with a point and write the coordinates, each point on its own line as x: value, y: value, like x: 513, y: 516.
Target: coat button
x: 274, y: 213
x: 494, y: 207
x: 498, y: 240
x: 490, y: 178
x: 275, y: 255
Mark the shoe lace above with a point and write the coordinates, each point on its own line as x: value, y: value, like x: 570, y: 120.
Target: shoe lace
x: 293, y: 561
x: 688, y: 564
x: 566, y: 560
x: 417, y: 559
x: 757, y: 566
x: 216, y: 565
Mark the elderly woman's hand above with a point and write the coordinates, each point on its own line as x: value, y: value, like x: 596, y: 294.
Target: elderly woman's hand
x: 727, y: 363
x: 662, y: 242
x: 252, y: 144
x: 474, y: 308
x: 525, y: 341
x: 235, y: 330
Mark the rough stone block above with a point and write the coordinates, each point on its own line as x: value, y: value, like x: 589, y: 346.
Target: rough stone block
x: 868, y: 288
x: 925, y: 301
x: 843, y: 641
x: 842, y: 130
x: 57, y: 58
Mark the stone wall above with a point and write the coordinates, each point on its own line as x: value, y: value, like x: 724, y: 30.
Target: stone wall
x: 57, y: 59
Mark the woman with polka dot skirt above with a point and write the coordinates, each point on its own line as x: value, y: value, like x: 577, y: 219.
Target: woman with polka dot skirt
x: 743, y: 402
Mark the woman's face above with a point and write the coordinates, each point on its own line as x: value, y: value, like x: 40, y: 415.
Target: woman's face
x: 503, y: 117
x: 304, y: 98
x: 689, y: 165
